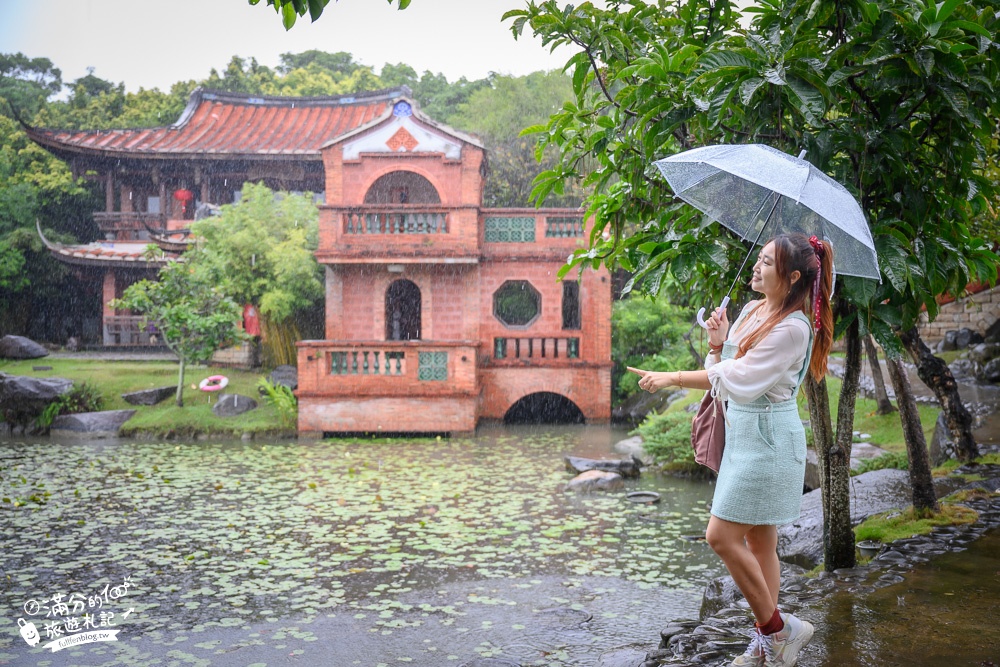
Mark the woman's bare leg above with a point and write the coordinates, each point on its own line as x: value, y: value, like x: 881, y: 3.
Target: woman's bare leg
x: 763, y: 544
x: 727, y: 539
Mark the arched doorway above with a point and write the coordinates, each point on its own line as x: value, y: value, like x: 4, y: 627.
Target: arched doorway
x: 402, y: 187
x: 402, y: 311
x: 544, y: 407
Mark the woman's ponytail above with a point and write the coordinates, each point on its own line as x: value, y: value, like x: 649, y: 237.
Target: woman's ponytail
x: 822, y: 313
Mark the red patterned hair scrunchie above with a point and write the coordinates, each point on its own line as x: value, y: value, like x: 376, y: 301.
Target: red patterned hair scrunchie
x: 820, y: 250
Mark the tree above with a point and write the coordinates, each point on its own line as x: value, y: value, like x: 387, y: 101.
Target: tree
x: 26, y: 83
x: 290, y: 10
x: 193, y: 315
x: 885, y: 406
x: 260, y: 251
x: 498, y: 113
x: 895, y: 99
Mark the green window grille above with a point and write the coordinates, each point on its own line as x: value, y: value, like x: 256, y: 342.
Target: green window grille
x: 562, y: 227
x: 433, y: 366
x: 510, y: 230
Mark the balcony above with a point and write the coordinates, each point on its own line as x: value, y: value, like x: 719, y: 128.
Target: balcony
x: 400, y: 232
x: 541, y: 233
x: 536, y: 351
x: 386, y: 368
x: 127, y: 331
x: 126, y: 226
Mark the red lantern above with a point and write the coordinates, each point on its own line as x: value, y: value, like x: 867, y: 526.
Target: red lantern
x: 184, y: 197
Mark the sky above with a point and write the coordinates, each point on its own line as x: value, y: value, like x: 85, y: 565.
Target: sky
x: 155, y: 43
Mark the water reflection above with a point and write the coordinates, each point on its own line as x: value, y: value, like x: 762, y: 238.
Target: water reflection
x: 944, y: 614
x: 394, y: 549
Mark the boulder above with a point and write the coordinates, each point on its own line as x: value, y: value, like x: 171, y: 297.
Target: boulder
x: 984, y: 352
x: 813, y: 478
x: 635, y: 408
x: 948, y: 342
x: 992, y: 334
x: 28, y: 396
x: 595, y: 480
x: 285, y: 375
x: 942, y: 444
x: 633, y: 448
x: 991, y: 371
x: 963, y: 369
x: 72, y: 344
x: 623, y: 656
x: 801, y: 542
x: 230, y: 405
x: 149, y: 396
x: 19, y: 347
x: 624, y: 467
x: 104, y: 424
x: 722, y: 592
x: 965, y: 337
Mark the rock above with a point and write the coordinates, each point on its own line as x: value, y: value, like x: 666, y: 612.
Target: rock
x: 864, y: 450
x: 285, y: 375
x: 963, y: 369
x: 722, y: 592
x: 104, y: 424
x: 948, y: 343
x: 41, y: 368
x: 595, y: 480
x: 813, y: 479
x: 991, y: 372
x: 230, y: 405
x: 19, y: 347
x: 26, y: 396
x: 149, y: 396
x: 72, y: 344
x: 635, y: 408
x: 942, y: 446
x: 624, y: 467
x: 489, y: 662
x: 992, y: 334
x: 966, y: 337
x: 801, y: 542
x: 633, y: 447
x: 984, y: 352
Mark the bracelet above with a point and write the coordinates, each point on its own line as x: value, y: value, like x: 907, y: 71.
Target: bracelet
x: 680, y: 383
x: 714, y: 349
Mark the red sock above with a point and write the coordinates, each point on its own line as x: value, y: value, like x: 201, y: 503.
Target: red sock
x: 772, y: 626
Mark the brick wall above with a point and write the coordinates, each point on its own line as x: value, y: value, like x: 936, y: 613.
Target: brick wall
x: 977, y: 312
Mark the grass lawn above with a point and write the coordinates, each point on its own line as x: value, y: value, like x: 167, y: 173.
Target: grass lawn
x: 885, y: 430
x: 113, y: 378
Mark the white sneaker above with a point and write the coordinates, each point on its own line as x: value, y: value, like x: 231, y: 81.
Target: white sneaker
x: 754, y: 655
x: 782, y: 648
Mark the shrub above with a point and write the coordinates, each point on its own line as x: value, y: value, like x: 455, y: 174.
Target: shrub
x: 897, y: 461
x: 283, y: 400
x: 83, y: 397
x: 649, y: 334
x: 667, y: 438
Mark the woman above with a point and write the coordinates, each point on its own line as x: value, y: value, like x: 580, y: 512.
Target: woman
x: 758, y: 369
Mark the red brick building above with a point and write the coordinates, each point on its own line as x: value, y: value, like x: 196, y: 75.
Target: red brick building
x: 439, y: 312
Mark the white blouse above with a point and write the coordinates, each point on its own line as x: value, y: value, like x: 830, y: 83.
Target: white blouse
x: 770, y: 368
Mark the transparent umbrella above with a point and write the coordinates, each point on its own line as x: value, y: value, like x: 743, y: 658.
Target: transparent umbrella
x: 752, y: 187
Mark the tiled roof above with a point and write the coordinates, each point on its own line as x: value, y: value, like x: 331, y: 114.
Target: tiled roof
x: 103, y: 253
x: 223, y: 124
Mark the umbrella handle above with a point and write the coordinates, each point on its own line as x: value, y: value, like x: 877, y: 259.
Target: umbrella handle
x: 701, y: 313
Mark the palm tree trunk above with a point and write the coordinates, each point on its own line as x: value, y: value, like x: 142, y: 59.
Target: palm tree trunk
x: 885, y: 406
x: 937, y: 376
x: 921, y: 481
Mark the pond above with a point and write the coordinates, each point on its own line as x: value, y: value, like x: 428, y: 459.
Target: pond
x: 346, y: 552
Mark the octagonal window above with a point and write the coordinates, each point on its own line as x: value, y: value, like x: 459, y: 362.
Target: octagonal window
x: 516, y: 303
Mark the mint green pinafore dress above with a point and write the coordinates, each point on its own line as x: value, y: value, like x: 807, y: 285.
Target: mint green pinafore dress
x: 763, y: 465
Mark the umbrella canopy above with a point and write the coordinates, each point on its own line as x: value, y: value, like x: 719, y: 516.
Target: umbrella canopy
x: 752, y: 186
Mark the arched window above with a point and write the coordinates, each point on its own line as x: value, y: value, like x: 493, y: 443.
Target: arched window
x: 402, y: 187
x: 402, y: 311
